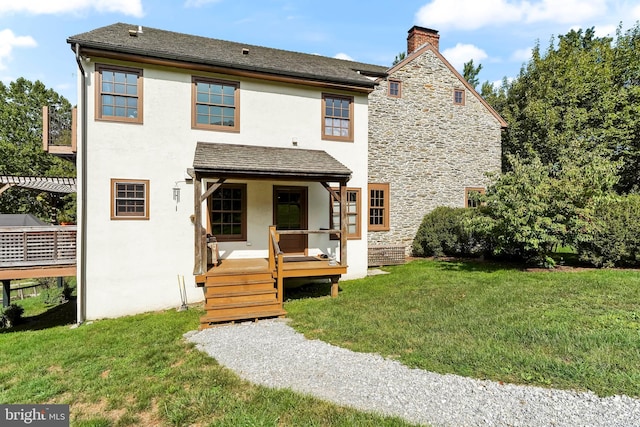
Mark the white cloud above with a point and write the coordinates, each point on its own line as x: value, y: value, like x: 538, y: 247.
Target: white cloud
x: 635, y: 13
x: 605, y: 30
x: 462, y: 53
x: 466, y: 14
x: 565, y: 11
x: 473, y: 14
x: 45, y: 7
x: 199, y: 3
x: 343, y: 56
x: 522, y: 55
x: 8, y: 40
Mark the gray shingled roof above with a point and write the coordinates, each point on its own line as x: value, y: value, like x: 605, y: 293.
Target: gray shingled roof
x: 155, y: 43
x: 20, y: 220
x: 247, y: 161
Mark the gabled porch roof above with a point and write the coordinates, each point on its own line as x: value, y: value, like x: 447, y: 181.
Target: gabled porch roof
x: 277, y: 163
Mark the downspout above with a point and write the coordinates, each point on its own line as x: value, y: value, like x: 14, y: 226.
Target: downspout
x: 81, y: 290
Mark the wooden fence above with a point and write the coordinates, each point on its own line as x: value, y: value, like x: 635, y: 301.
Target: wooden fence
x: 37, y: 246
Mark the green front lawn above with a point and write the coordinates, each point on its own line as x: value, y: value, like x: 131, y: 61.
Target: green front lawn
x: 573, y: 330
x: 139, y: 371
x: 577, y: 330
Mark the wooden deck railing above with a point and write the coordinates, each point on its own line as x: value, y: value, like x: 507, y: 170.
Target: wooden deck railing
x: 37, y: 246
x: 276, y: 261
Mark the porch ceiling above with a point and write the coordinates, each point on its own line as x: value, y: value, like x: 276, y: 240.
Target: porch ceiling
x: 277, y: 163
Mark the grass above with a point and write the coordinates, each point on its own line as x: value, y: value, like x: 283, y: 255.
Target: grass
x: 139, y: 370
x: 572, y: 330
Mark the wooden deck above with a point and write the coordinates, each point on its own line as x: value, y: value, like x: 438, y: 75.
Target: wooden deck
x: 248, y: 289
x: 36, y: 251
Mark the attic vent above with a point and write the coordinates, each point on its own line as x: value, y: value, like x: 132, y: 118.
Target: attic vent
x: 133, y: 33
x: 245, y: 51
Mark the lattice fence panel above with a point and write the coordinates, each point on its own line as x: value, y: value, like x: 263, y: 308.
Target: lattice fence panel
x: 12, y: 247
x: 66, y: 249
x: 41, y: 246
x: 386, y: 255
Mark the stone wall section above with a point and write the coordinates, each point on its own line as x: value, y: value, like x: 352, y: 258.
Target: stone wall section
x: 427, y: 148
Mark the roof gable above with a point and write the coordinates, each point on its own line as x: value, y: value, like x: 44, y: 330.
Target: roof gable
x: 428, y: 47
x: 123, y: 38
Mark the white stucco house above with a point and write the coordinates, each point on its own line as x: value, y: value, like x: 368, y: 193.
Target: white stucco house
x: 232, y: 166
x: 276, y: 137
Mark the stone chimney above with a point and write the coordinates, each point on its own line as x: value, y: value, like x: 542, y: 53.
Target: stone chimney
x: 419, y: 36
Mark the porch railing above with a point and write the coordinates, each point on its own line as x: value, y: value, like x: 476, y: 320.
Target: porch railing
x: 276, y: 261
x: 37, y: 246
x: 276, y: 256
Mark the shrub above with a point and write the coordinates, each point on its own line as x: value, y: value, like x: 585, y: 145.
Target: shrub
x: 615, y: 238
x: 11, y: 316
x: 445, y: 232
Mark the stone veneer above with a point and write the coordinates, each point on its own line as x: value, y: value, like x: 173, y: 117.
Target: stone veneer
x: 425, y: 147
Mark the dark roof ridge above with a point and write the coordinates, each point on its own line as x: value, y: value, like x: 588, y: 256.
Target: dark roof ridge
x: 165, y: 44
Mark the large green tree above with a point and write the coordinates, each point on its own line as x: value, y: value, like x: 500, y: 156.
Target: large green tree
x: 583, y: 89
x: 21, y: 151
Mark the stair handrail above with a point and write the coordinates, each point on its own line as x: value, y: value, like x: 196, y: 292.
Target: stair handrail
x: 274, y: 247
x: 276, y: 262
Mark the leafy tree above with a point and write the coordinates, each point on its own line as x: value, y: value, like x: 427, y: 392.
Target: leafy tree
x: 582, y: 88
x: 21, y: 151
x: 534, y: 207
x: 470, y: 73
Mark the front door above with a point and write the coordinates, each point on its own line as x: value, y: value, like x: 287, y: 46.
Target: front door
x: 290, y: 213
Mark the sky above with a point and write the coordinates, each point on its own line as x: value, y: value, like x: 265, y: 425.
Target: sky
x: 498, y: 34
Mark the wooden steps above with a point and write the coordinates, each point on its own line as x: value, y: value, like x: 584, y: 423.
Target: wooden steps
x: 236, y: 296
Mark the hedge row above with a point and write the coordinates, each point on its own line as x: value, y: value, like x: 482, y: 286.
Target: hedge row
x: 611, y: 239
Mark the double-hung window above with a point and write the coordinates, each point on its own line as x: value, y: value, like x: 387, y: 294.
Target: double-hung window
x: 216, y: 104
x: 352, y: 206
x: 129, y: 199
x: 337, y: 117
x: 118, y: 93
x: 228, y: 213
x: 378, y: 207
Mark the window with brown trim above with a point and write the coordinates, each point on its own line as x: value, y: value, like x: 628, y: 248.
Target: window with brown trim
x: 215, y: 104
x: 458, y: 96
x: 228, y: 213
x: 353, y: 214
x: 395, y: 89
x: 118, y: 94
x: 378, y: 207
x: 337, y: 117
x: 129, y: 199
x: 471, y: 194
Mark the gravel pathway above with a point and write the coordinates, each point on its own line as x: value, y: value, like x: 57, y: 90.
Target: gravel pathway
x: 273, y: 354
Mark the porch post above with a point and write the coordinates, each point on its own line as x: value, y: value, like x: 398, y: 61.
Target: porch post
x: 343, y: 237
x: 198, y: 254
x: 6, y: 293
x: 343, y: 224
